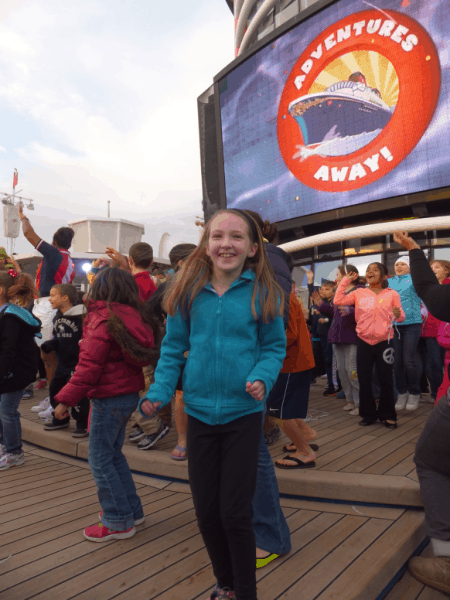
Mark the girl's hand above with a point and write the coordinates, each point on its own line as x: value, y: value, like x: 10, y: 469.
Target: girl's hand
x: 61, y: 412
x: 352, y: 276
x: 310, y: 276
x: 402, y: 238
x: 323, y: 320
x: 149, y: 408
x: 257, y: 390
x: 316, y: 299
x: 396, y: 312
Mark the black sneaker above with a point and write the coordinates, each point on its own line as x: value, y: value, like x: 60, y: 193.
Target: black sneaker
x: 53, y: 427
x: 272, y: 436
x: 136, y: 435
x: 80, y: 433
x: 329, y: 391
x: 149, y: 441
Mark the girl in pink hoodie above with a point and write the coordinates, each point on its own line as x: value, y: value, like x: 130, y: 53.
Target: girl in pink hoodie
x: 377, y: 307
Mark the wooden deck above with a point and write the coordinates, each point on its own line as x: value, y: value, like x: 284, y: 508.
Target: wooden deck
x: 338, y: 551
x: 363, y: 464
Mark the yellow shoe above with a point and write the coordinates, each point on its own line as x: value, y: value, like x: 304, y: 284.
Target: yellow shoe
x: 262, y: 562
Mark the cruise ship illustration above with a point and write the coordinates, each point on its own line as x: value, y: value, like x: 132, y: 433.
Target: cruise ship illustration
x: 343, y: 110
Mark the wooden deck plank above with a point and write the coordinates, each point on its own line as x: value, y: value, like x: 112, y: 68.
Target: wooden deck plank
x: 160, y: 587
x: 404, y: 467
x: 376, y: 512
x: 59, y: 471
x: 317, y: 579
x: 65, y: 555
x: 26, y: 537
x: 201, y: 581
x: 391, y: 460
x: 37, y: 489
x: 38, y: 558
x: 358, y: 460
x: 366, y: 577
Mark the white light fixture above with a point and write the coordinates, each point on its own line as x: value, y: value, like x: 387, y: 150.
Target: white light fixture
x: 87, y: 267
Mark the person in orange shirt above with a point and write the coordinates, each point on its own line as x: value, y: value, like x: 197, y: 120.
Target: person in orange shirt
x: 288, y: 400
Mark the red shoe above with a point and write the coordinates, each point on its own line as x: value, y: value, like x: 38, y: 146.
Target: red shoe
x: 42, y: 384
x: 100, y: 533
x: 136, y: 521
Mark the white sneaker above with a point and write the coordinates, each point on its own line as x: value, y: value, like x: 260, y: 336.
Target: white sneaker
x: 354, y: 412
x: 413, y: 402
x: 46, y: 414
x: 11, y: 460
x: 401, y: 401
x: 42, y: 406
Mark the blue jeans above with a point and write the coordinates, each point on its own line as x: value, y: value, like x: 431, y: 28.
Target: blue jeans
x: 10, y: 428
x: 271, y: 530
x: 407, y: 363
x: 434, y: 364
x: 115, y: 486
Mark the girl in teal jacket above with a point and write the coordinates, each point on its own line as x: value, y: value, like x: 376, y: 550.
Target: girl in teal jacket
x: 406, y: 338
x: 226, y: 310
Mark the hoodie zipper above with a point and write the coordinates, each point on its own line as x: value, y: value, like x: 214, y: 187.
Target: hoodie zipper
x: 219, y: 318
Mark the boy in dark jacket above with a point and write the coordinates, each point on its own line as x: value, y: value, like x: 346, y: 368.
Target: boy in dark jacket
x: 67, y: 330
x: 320, y: 325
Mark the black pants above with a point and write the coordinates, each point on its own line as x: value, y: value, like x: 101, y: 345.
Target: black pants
x: 382, y: 355
x: 223, y: 463
x: 319, y: 369
x: 41, y: 366
x: 433, y: 469
x: 80, y: 412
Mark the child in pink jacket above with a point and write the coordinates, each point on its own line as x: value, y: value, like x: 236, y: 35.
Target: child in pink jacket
x: 377, y: 307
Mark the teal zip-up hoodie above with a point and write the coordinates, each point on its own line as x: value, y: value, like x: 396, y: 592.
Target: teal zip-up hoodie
x: 410, y: 300
x: 227, y: 348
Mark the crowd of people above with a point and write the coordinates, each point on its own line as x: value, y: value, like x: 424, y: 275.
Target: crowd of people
x: 225, y: 335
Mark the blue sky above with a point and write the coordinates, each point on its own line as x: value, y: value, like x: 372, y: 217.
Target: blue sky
x: 99, y: 102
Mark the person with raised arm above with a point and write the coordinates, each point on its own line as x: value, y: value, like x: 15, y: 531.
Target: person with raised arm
x: 433, y: 447
x: 55, y: 267
x: 377, y: 308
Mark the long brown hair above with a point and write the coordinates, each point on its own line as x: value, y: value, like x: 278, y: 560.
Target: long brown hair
x: 113, y: 285
x: 20, y: 289
x: 198, y: 270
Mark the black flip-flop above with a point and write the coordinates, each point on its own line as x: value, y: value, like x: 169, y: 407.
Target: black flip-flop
x: 299, y: 465
x: 314, y: 447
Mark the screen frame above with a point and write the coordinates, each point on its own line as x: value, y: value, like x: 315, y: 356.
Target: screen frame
x: 387, y: 206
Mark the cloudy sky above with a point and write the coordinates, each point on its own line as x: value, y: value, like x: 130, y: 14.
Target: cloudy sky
x: 99, y: 102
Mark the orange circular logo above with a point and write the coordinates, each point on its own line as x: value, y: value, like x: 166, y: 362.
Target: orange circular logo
x: 358, y: 100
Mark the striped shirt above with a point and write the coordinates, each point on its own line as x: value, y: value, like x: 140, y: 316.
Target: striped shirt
x: 56, y: 267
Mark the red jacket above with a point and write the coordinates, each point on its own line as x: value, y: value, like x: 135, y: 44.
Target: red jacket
x: 104, y: 369
x: 430, y: 327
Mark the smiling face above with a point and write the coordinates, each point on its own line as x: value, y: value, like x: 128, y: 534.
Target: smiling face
x: 374, y: 275
x: 401, y: 268
x: 439, y: 271
x: 229, y: 244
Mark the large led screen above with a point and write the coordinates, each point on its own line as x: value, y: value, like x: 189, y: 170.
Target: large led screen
x: 350, y: 106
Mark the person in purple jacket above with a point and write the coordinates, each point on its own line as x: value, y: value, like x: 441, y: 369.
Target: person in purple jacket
x: 342, y: 334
